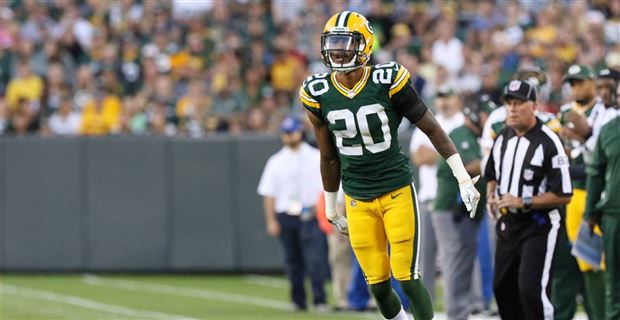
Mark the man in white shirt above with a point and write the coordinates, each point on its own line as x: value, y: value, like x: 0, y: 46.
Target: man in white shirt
x: 289, y: 186
x: 425, y: 156
x: 65, y: 121
x: 447, y: 50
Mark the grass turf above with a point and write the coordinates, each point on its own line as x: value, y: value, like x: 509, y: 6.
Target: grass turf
x: 151, y: 297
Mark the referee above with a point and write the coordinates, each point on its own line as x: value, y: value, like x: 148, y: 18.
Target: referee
x: 527, y: 185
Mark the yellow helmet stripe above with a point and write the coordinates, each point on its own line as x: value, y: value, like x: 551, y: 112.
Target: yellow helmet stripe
x: 342, y: 19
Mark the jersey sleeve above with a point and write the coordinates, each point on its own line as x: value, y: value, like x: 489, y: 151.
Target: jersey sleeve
x: 556, y: 166
x: 267, y: 184
x: 309, y: 102
x: 554, y: 124
x: 596, y: 178
x: 406, y: 101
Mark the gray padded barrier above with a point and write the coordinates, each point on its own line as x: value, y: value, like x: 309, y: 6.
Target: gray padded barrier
x: 126, y: 196
x: 256, y: 249
x: 202, y: 201
x: 42, y: 222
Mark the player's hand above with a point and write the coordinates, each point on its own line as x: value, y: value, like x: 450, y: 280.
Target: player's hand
x: 341, y: 224
x: 470, y: 195
x: 593, y: 221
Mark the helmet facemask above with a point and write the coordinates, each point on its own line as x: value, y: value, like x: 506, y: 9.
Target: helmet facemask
x: 343, y: 51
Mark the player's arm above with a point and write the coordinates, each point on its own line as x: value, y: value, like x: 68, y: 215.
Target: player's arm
x: 409, y: 104
x: 595, y: 183
x: 330, y: 172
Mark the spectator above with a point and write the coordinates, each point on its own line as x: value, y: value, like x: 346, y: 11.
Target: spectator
x: 25, y: 85
x: 101, y: 116
x: 447, y: 49
x: 65, y: 121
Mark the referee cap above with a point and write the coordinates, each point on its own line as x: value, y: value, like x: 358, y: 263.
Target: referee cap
x: 522, y: 90
x: 578, y: 72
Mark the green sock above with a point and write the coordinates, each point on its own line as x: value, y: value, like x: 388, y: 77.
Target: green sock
x: 595, y: 293
x: 387, y: 300
x: 421, y: 304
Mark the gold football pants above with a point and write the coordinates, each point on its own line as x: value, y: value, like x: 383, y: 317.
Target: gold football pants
x: 388, y: 219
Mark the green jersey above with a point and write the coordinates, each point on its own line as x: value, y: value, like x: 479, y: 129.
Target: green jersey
x: 364, y: 124
x: 466, y: 143
x: 577, y: 148
x: 604, y: 173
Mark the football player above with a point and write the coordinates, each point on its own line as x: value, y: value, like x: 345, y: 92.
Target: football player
x: 356, y: 110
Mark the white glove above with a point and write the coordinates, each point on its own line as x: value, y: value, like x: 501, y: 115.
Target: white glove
x: 338, y: 220
x: 470, y: 195
x: 341, y: 224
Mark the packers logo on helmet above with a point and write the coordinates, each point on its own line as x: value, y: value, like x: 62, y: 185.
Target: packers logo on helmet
x: 346, y: 42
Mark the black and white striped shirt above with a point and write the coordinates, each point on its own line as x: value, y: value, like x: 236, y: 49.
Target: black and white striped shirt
x: 529, y: 165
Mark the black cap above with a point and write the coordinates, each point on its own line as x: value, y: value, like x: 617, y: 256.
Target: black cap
x: 609, y: 73
x: 522, y: 90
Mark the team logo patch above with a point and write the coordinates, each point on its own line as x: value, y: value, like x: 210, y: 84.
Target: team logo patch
x: 528, y: 174
x: 465, y: 145
x: 353, y: 203
x: 514, y: 85
x: 574, y: 69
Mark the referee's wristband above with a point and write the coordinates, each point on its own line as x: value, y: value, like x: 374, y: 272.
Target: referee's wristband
x: 330, y: 204
x: 458, y: 169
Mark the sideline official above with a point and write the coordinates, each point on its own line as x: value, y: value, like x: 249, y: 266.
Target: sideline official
x: 527, y: 184
x: 289, y: 185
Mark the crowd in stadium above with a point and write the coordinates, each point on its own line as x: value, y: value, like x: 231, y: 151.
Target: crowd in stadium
x: 194, y: 68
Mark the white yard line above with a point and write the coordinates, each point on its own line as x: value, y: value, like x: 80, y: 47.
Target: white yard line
x: 202, y: 294
x: 187, y: 292
x: 266, y: 281
x: 88, y: 304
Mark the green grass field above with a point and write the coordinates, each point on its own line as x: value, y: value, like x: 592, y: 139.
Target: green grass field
x: 159, y: 297
x: 151, y: 297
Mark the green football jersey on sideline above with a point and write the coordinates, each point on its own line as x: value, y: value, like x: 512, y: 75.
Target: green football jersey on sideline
x: 364, y: 126
x: 576, y: 155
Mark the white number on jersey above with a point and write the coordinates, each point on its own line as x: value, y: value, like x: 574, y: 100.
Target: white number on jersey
x: 351, y: 130
x: 317, y: 84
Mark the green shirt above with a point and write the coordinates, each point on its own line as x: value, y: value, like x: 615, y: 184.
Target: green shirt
x: 448, y: 194
x: 364, y: 125
x: 576, y: 153
x: 603, y: 182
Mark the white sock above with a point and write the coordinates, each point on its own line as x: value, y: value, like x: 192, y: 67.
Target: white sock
x: 402, y: 315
